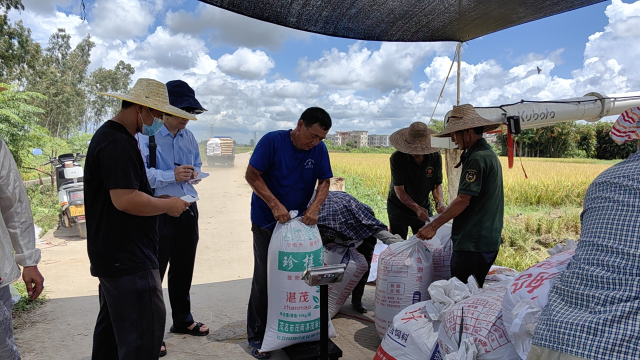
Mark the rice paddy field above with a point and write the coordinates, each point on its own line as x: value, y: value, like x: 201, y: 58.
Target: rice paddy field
x: 540, y: 211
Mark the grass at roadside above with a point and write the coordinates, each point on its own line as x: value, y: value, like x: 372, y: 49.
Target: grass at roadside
x: 22, y: 316
x: 44, y: 206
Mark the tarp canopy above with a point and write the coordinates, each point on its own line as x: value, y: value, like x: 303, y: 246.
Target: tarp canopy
x: 401, y: 20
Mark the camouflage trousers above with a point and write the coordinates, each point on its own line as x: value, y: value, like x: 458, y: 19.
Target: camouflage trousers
x: 8, y: 348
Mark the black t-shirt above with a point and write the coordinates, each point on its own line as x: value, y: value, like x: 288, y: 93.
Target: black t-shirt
x: 118, y: 243
x: 418, y: 180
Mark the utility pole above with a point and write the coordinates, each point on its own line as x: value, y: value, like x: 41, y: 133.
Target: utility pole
x: 255, y: 138
x: 211, y: 125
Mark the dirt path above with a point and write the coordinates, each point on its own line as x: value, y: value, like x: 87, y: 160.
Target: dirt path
x: 63, y: 328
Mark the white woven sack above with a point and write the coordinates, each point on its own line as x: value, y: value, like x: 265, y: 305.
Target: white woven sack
x: 356, y: 267
x: 412, y: 336
x: 527, y: 296
x: 373, y: 273
x: 481, y: 315
x: 405, y: 272
x: 441, y: 248
x: 294, y: 307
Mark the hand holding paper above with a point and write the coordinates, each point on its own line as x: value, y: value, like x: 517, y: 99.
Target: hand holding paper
x: 200, y: 176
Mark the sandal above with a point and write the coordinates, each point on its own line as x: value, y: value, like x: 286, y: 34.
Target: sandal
x: 255, y: 350
x: 194, y: 332
x: 163, y: 352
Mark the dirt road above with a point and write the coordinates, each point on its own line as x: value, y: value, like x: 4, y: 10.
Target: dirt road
x: 63, y: 328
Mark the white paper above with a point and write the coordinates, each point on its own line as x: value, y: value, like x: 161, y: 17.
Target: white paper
x: 189, y: 198
x: 201, y: 175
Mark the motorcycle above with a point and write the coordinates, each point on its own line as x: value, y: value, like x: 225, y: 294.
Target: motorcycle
x: 69, y: 183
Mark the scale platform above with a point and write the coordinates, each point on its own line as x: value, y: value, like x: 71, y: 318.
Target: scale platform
x: 311, y: 351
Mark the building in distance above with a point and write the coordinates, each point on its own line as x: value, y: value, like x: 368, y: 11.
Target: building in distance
x: 358, y: 138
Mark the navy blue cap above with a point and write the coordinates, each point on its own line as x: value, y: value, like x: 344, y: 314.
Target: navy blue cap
x: 182, y: 96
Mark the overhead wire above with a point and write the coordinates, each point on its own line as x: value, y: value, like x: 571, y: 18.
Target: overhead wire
x: 445, y: 83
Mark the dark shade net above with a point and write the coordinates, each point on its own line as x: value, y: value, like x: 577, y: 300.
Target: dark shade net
x: 400, y: 20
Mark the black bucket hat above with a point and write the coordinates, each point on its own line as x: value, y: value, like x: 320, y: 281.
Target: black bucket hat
x: 182, y: 96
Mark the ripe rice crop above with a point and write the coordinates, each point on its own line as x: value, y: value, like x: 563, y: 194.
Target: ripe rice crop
x: 551, y: 183
x: 540, y: 212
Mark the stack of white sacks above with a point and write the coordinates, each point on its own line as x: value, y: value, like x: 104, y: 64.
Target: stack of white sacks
x: 462, y: 322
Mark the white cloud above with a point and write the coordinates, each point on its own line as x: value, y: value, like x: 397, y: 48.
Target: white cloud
x: 390, y: 67
x: 229, y: 28
x: 246, y: 64
x: 163, y: 50
x: 123, y: 19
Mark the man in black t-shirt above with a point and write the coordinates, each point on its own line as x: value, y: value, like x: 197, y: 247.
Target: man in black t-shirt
x: 416, y: 171
x: 122, y: 235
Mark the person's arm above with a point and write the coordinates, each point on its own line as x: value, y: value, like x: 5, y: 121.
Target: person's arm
x: 255, y: 180
x: 423, y: 214
x: 439, y: 198
x: 454, y: 209
x: 310, y: 216
x: 157, y: 178
x: 137, y: 203
x: 15, y: 208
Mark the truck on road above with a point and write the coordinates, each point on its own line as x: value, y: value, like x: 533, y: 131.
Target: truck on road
x: 221, y: 150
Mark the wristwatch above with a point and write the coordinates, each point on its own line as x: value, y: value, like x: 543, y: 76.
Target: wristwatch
x: 440, y: 202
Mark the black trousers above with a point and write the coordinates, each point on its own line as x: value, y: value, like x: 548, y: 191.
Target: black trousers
x: 399, y: 225
x: 131, y: 320
x: 366, y: 249
x: 177, y: 249
x: 467, y: 263
x: 258, y: 300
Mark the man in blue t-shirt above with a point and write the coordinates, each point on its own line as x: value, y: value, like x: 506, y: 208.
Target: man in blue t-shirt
x: 283, y: 172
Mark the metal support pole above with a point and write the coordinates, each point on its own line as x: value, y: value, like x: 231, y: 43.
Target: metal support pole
x: 324, y: 322
x: 459, y: 50
x: 452, y: 156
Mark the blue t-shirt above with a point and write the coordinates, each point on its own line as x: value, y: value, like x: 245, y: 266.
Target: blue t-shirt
x: 290, y: 174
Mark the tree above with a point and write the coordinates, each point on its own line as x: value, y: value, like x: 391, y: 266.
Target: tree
x: 11, y: 4
x: 62, y: 79
x: 437, y: 125
x: 19, y: 122
x: 19, y: 54
x: 116, y: 80
x: 607, y: 149
x: 252, y: 142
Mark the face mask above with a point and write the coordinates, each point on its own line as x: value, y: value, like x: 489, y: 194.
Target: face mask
x: 152, y: 129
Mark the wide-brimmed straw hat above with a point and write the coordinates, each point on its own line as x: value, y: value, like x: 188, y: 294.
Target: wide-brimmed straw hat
x: 414, y: 140
x: 152, y: 93
x: 465, y: 117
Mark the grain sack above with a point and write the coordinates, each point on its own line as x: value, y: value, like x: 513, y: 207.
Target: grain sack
x: 405, y: 272
x: 414, y: 332
x: 294, y: 307
x: 373, y: 273
x: 441, y: 249
x: 484, y: 336
x: 500, y: 273
x: 411, y: 336
x: 527, y: 296
x: 356, y: 267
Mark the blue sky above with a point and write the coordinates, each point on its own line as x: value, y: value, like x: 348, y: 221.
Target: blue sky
x: 254, y: 76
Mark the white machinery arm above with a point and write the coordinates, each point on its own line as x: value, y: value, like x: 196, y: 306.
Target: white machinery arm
x: 591, y: 107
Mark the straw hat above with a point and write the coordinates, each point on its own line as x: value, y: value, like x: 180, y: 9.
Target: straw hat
x: 152, y: 93
x: 414, y: 140
x: 465, y: 117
